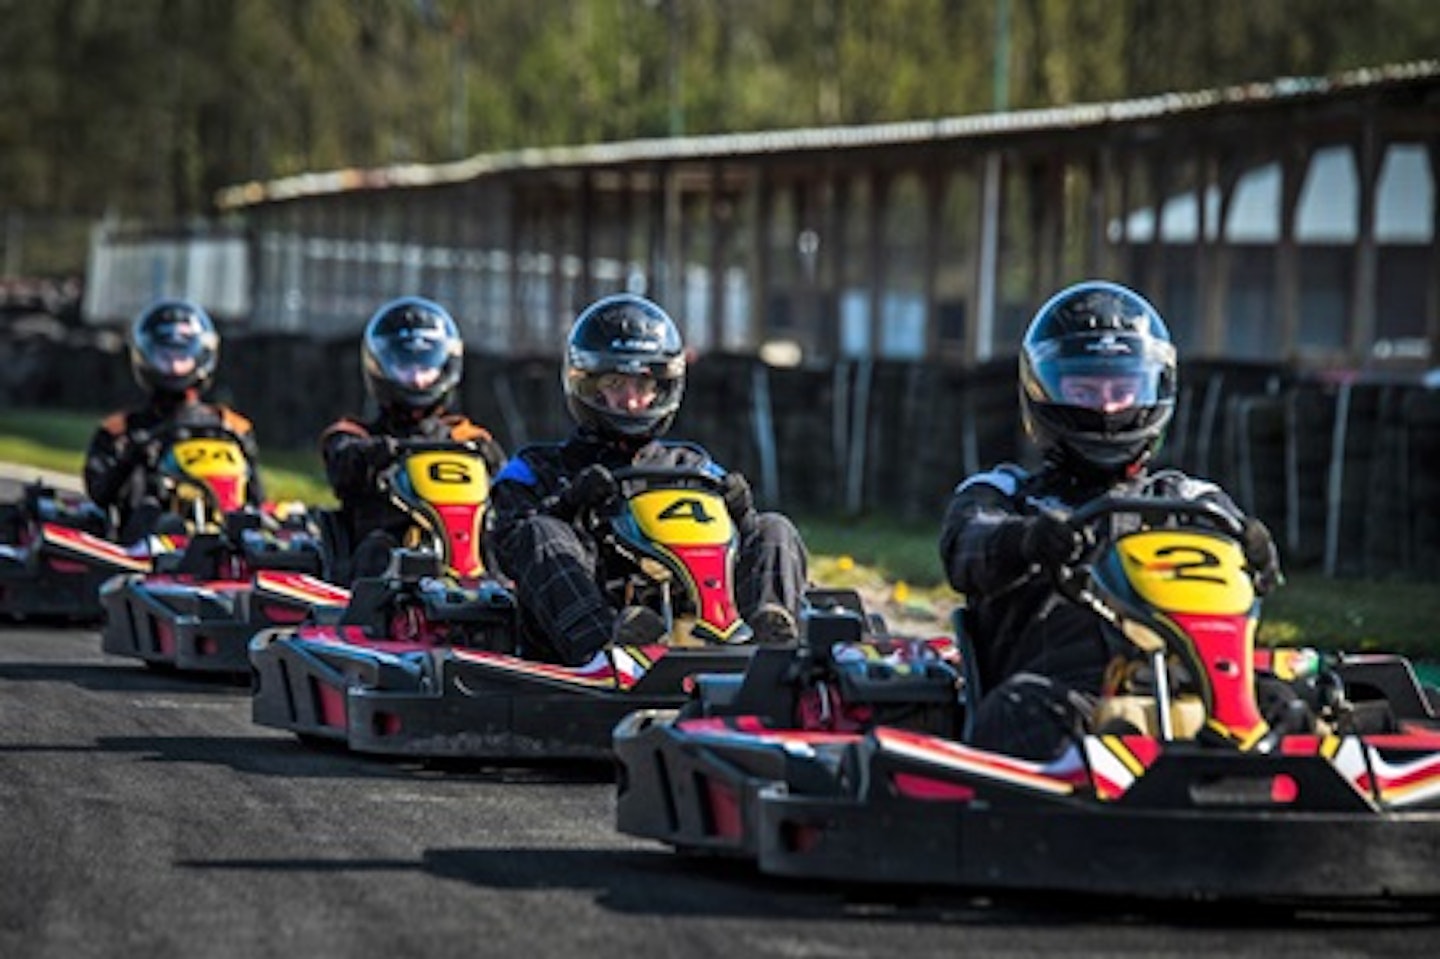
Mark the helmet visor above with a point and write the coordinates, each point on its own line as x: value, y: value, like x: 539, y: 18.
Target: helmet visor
x: 641, y: 395
x: 174, y: 344
x: 414, y: 357
x: 1105, y: 372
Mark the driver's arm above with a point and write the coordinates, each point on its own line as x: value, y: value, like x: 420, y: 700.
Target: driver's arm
x: 107, y: 465
x: 982, y: 534
x: 348, y: 450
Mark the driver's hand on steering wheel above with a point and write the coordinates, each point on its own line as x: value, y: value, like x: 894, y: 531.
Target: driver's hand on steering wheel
x: 1051, y: 541
x: 380, y: 451
x: 593, y: 487
x: 142, y: 446
x: 1261, y: 556
x: 739, y: 500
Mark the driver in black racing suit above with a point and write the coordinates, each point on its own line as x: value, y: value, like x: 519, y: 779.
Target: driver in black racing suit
x: 624, y: 377
x: 1097, y: 390
x: 412, y: 358
x: 174, y: 349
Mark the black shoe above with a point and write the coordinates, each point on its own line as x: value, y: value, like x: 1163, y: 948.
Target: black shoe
x: 637, y: 626
x: 774, y: 625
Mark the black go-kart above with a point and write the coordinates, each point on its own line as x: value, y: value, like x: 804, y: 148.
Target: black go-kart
x: 237, y: 569
x: 56, y: 550
x: 1209, y: 769
x: 424, y: 664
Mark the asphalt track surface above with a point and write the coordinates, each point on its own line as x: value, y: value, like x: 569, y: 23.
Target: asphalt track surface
x: 143, y: 814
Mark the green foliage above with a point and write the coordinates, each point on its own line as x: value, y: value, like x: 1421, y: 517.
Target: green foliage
x: 147, y: 107
x: 897, y: 551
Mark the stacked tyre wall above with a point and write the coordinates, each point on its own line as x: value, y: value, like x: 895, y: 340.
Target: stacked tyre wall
x: 1346, y: 473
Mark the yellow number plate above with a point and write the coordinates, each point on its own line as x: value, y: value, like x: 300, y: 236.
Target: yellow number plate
x: 448, y: 479
x: 1187, y: 572
x: 208, y: 458
x: 682, y: 517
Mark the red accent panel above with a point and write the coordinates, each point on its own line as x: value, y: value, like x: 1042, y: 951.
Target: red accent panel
x: 164, y: 635
x: 913, y: 786
x: 1300, y: 745
x: 387, y: 724
x: 461, y: 522
x: 1223, y: 643
x: 724, y: 806
x: 709, y: 567
x: 227, y: 492
x: 283, y: 615
x: 66, y: 565
x: 332, y: 704
x: 1142, y: 748
x: 1413, y: 737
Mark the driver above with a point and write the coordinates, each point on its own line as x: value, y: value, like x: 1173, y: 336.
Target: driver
x: 412, y: 357
x: 1097, y: 390
x: 173, y: 349
x: 623, y: 378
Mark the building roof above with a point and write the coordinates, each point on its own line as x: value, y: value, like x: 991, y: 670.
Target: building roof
x: 980, y: 128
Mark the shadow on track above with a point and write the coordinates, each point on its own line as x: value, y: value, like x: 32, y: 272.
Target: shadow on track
x: 655, y: 883
x: 282, y: 755
x: 127, y: 677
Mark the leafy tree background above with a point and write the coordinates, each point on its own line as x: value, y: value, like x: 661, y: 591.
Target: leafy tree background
x: 146, y: 107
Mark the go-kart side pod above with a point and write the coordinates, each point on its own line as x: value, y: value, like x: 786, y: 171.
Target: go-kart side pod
x: 407, y: 699
x: 206, y: 626
x: 59, y: 574
x: 1318, y: 819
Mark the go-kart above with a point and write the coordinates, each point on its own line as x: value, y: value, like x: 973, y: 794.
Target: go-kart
x: 1186, y: 783
x: 240, y: 570
x: 421, y: 665
x: 56, y: 550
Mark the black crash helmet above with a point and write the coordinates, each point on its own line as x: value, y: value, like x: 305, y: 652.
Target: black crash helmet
x: 625, y: 334
x: 411, y: 354
x: 173, y: 347
x: 1097, y: 378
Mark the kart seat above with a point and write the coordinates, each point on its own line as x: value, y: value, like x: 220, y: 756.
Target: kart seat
x: 295, y: 557
x: 200, y: 558
x: 371, y: 600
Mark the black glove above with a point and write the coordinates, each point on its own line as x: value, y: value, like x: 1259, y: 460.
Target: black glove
x: 592, y: 488
x: 739, y: 501
x: 1260, y: 555
x: 379, y: 451
x: 1051, y: 541
x: 142, y: 448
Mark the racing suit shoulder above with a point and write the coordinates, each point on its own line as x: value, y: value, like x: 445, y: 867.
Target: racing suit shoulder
x: 234, y: 422
x: 116, y: 424
x: 463, y: 430
x: 979, y: 535
x: 529, y: 463
x: 1006, y: 478
x: 344, y: 426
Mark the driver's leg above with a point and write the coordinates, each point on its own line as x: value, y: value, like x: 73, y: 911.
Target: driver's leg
x: 553, y: 568
x: 1029, y: 716
x: 772, y: 567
